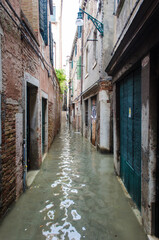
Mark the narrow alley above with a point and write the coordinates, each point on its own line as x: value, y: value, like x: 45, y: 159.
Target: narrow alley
x: 76, y: 195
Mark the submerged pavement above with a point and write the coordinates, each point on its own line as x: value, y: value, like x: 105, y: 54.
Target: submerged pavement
x: 74, y: 196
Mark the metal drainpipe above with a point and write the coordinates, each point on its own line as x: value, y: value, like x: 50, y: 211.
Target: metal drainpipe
x: 24, y: 166
x: 82, y: 78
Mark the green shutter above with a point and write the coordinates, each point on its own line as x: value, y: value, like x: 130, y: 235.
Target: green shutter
x: 41, y: 16
x: 79, y: 31
x: 45, y: 23
x: 51, y: 43
x: 130, y: 134
x: 79, y: 68
x: 51, y: 7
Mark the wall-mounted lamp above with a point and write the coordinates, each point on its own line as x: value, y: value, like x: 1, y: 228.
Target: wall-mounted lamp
x: 97, y: 24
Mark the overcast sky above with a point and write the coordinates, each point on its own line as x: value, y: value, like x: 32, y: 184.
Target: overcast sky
x: 70, y: 9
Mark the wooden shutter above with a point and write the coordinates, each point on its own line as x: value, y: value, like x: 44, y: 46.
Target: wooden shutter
x: 45, y: 37
x: 51, y: 43
x: 51, y: 7
x: 79, y: 31
x: 79, y: 68
x: 41, y: 16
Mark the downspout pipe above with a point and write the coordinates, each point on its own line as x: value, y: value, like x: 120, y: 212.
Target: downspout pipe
x: 24, y: 166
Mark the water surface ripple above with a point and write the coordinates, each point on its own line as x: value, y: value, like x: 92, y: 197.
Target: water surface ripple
x: 75, y: 196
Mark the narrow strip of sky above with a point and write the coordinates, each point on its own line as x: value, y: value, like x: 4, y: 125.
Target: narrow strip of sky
x: 70, y: 9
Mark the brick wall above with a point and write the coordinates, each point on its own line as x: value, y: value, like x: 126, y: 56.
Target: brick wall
x: 53, y: 120
x: 11, y: 105
x: 18, y: 58
x: 8, y: 154
x: 31, y: 10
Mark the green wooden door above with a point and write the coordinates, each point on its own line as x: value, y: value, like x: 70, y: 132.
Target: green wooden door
x: 130, y: 134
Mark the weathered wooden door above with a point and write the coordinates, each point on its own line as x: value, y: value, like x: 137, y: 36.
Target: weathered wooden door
x: 130, y: 134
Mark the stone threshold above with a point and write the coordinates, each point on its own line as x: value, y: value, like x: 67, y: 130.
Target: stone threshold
x: 149, y: 237
x: 31, y: 175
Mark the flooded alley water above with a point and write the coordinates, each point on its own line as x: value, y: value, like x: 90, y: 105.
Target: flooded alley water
x: 75, y: 196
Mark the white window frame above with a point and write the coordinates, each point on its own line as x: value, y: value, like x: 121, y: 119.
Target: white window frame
x: 95, y: 45
x: 87, y: 60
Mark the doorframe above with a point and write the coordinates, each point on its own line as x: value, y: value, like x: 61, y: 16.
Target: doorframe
x: 1, y: 35
x: 44, y: 96
x: 28, y: 79
x: 156, y: 220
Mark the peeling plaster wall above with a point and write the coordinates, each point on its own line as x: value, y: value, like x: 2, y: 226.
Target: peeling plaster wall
x: 93, y: 72
x: 116, y: 128
x: 19, y: 154
x: 107, y: 40
x: 120, y: 21
x: 149, y: 141
x: 104, y: 120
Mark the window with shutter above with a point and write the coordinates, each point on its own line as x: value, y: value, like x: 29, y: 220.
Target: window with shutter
x: 53, y: 17
x: 75, y: 49
x: 95, y: 45
x: 43, y: 23
x: 79, y: 31
x: 51, y: 7
x: 79, y: 68
x: 41, y: 16
x: 51, y: 44
x: 86, y: 60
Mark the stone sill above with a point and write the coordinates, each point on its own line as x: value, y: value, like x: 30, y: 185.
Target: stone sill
x: 152, y: 237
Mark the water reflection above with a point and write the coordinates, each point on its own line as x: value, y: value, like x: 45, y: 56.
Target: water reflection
x: 63, y: 189
x: 75, y: 196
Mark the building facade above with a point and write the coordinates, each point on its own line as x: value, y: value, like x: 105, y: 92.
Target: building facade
x: 134, y: 70
x: 29, y: 93
x: 96, y: 86
x: 75, y: 83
